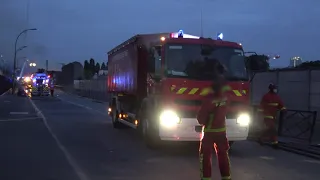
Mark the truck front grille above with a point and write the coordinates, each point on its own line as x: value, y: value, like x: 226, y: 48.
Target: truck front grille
x: 231, y: 115
x: 185, y: 102
x: 188, y: 114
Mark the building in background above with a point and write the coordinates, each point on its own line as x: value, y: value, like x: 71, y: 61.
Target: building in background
x: 70, y: 72
x: 295, y: 61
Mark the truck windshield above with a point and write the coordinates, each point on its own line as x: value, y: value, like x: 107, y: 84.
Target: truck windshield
x: 195, y: 61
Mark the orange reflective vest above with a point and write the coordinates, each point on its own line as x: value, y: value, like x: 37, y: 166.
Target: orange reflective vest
x: 213, y: 112
x: 270, y: 104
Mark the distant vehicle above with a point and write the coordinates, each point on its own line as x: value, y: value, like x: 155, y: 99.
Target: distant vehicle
x: 40, y: 84
x: 157, y: 84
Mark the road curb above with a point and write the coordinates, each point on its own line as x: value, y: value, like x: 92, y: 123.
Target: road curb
x: 6, y: 92
x: 299, y: 152
x: 94, y: 100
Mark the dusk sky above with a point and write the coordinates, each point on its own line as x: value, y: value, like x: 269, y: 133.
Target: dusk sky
x: 76, y: 30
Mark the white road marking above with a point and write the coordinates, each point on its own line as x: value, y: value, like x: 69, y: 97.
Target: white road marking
x: 70, y: 159
x: 266, y: 157
x: 312, y: 161
x: 5, y: 93
x: 20, y: 119
x: 6, y: 101
x: 19, y: 113
x: 86, y: 107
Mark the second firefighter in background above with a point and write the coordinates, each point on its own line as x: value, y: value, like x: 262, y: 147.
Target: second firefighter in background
x: 212, y: 116
x: 270, y: 104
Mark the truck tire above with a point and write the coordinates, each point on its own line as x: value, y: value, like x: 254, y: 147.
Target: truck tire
x: 150, y: 137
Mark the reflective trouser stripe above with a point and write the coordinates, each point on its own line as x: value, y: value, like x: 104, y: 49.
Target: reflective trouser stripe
x: 209, y: 129
x: 226, y: 178
x: 215, y: 130
x: 260, y: 110
x: 269, y: 117
x: 274, y: 142
x: 273, y: 104
x: 283, y: 108
x: 201, y: 165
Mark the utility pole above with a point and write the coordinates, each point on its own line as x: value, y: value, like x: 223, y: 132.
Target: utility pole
x: 47, y: 63
x: 201, y: 22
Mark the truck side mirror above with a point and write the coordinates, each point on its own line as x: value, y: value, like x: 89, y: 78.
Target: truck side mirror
x: 157, y: 50
x: 151, y: 61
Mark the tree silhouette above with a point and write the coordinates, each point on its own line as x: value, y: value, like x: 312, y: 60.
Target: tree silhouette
x: 310, y: 64
x: 92, y: 65
x: 103, y: 66
x: 97, y: 68
x: 86, y: 70
x: 257, y: 62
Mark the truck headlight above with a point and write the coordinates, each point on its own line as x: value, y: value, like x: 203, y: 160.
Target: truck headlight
x: 169, y: 118
x: 27, y: 79
x: 243, y: 119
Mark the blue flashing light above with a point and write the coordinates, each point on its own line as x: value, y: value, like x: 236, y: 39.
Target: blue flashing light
x: 220, y: 36
x: 180, y: 33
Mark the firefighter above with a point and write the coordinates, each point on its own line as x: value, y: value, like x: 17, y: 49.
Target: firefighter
x: 51, y: 88
x: 270, y: 104
x: 212, y: 117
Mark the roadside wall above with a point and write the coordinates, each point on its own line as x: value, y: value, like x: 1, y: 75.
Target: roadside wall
x: 95, y: 89
x: 5, y: 84
x: 299, y: 89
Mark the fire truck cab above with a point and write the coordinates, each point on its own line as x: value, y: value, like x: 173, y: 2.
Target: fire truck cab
x: 159, y: 81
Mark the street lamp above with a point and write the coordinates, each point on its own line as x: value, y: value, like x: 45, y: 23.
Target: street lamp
x: 15, y: 56
x: 295, y: 61
x: 21, y: 48
x: 273, y: 57
x: 32, y: 64
x: 15, y: 47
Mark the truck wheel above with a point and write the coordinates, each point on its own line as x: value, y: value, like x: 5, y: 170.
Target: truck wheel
x: 115, y: 122
x: 150, y: 137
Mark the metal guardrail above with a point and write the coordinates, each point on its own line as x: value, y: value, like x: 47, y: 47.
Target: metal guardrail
x: 297, y: 125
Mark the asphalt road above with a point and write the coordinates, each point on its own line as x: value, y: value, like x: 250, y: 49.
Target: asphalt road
x: 76, y: 141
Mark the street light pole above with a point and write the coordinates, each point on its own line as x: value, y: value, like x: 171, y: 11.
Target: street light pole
x: 15, y: 47
x: 15, y: 57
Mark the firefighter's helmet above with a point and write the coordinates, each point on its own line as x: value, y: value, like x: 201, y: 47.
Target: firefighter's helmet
x: 272, y: 86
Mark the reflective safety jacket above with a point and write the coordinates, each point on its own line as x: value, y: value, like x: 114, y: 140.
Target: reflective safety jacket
x: 51, y: 86
x: 212, y: 114
x: 270, y: 104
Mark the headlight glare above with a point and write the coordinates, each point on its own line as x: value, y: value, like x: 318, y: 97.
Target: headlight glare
x: 27, y: 79
x: 169, y: 118
x: 243, y: 119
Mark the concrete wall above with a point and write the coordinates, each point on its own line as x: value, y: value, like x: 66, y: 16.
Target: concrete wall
x: 299, y: 89
x: 95, y: 89
x: 5, y: 84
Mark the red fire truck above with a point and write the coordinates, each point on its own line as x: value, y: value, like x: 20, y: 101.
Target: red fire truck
x: 157, y: 83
